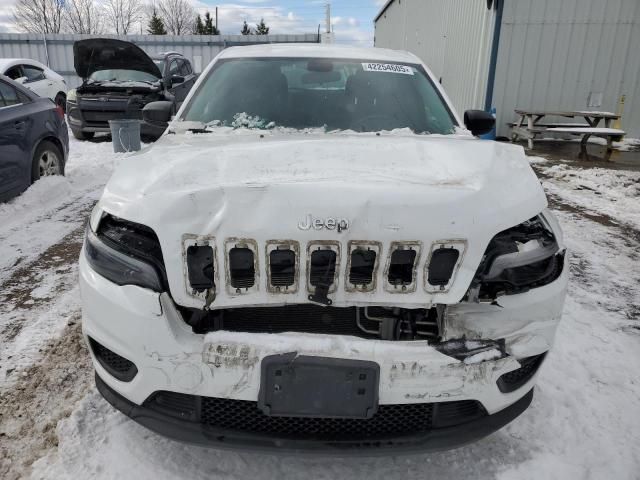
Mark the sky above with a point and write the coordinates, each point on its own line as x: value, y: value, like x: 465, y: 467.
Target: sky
x: 352, y: 20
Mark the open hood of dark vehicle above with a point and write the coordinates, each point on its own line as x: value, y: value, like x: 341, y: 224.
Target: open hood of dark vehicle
x: 96, y: 54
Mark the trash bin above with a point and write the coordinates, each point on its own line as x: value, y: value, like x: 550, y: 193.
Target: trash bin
x: 492, y: 134
x: 125, y: 135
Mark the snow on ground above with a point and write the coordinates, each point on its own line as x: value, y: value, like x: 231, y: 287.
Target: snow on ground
x: 40, y: 237
x: 582, y: 423
x: 54, y: 206
x: 625, y: 145
x: 615, y: 193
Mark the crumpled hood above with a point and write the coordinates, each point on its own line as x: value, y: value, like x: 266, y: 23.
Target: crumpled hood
x: 95, y: 54
x: 261, y: 185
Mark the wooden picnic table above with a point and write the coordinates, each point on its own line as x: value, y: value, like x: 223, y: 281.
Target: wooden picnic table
x: 531, y: 124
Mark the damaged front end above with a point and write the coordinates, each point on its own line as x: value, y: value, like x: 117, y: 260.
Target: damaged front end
x: 215, y: 320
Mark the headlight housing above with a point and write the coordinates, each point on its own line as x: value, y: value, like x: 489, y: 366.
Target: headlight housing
x: 517, y: 259
x: 126, y: 253
x: 71, y: 95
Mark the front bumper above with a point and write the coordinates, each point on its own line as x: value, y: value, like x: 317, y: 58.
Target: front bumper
x: 198, y: 433
x: 147, y: 329
x: 77, y: 121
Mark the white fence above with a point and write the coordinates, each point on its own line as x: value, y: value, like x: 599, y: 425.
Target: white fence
x: 56, y: 51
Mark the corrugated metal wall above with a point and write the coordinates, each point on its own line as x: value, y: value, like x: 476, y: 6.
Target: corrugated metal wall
x: 555, y: 55
x: 453, y: 37
x: 201, y: 49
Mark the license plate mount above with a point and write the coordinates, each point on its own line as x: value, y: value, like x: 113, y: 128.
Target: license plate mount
x: 322, y: 387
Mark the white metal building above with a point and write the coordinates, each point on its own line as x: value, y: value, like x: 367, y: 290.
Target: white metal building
x: 532, y: 54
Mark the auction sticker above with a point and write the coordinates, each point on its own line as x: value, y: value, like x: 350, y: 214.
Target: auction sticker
x: 387, y: 67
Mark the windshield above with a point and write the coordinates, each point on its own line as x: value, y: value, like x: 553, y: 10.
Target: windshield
x: 122, y: 76
x: 309, y: 93
x: 160, y: 64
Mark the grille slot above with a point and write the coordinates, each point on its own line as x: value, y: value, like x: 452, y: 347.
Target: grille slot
x: 362, y: 265
x: 389, y: 421
x: 117, y: 366
x: 401, y: 267
x: 242, y: 267
x: 200, y: 267
x: 283, y: 267
x: 323, y: 267
x: 443, y: 261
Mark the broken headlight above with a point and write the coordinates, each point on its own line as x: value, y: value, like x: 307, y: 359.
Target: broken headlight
x: 126, y: 253
x: 518, y: 259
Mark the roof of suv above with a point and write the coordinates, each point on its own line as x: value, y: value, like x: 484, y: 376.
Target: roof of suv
x: 165, y: 55
x: 319, y: 50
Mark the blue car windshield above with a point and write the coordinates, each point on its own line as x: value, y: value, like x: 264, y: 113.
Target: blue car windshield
x: 334, y: 94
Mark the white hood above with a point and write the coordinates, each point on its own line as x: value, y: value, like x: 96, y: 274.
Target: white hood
x: 260, y: 185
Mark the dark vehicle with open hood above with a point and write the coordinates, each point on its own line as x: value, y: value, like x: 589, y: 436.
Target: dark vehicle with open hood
x: 119, y: 79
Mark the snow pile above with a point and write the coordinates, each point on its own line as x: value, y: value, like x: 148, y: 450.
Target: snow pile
x: 537, y: 160
x: 53, y: 207
x: 615, y: 193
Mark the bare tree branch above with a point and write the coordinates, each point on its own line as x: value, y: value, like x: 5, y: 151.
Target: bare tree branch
x: 83, y: 16
x: 39, y: 16
x: 178, y: 16
x: 122, y: 15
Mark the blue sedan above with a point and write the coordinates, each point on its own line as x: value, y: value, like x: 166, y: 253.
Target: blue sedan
x: 34, y: 140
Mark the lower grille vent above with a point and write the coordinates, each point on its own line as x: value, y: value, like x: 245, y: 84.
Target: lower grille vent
x: 117, y: 366
x: 511, y: 381
x: 363, y: 322
x: 389, y: 421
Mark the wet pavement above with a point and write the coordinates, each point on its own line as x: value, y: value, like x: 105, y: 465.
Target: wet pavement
x: 568, y: 152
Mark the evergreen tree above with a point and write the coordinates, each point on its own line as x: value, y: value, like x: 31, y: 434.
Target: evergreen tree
x: 156, y: 25
x: 246, y: 30
x: 209, y: 27
x: 261, y: 28
x: 198, y: 28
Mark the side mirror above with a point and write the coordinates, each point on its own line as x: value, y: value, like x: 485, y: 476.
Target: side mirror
x: 479, y: 122
x: 176, y: 79
x: 157, y: 112
x: 22, y: 80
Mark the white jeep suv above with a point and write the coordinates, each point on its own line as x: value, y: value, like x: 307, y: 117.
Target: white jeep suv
x: 317, y: 257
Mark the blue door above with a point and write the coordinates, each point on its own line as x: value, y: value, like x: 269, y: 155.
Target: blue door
x: 15, y: 151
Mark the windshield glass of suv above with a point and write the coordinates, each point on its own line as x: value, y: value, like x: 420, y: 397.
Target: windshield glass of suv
x: 332, y: 94
x: 160, y: 65
x: 122, y: 76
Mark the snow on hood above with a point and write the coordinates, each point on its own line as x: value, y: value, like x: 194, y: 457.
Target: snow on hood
x: 262, y: 184
x: 95, y: 54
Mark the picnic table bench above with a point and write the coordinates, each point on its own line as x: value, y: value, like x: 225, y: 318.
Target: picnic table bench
x: 531, y: 124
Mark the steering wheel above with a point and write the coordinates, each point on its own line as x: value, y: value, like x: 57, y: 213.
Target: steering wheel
x: 369, y: 122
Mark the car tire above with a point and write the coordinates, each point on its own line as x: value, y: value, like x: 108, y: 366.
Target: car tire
x: 61, y: 101
x: 47, y: 160
x: 80, y: 135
